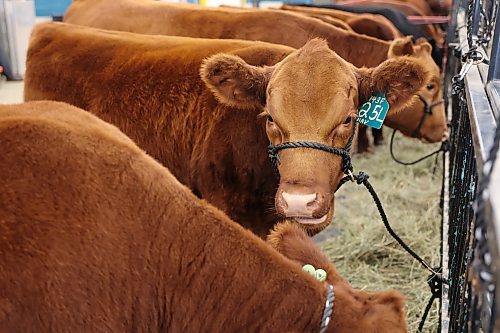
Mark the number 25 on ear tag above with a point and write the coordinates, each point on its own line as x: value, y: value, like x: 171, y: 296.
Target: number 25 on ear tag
x: 373, y: 112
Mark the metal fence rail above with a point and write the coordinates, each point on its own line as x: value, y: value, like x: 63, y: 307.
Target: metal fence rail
x: 471, y: 220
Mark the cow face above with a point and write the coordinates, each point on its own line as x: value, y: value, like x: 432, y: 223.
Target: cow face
x: 411, y: 120
x: 311, y: 95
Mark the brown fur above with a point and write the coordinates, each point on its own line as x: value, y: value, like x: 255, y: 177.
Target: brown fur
x: 328, y: 19
x: 367, y: 24
x: 99, y: 237
x: 335, y: 22
x: 409, y: 8
x: 273, y: 26
x: 149, y: 87
x: 434, y: 127
x: 229, y: 22
x: 289, y: 95
x: 293, y: 243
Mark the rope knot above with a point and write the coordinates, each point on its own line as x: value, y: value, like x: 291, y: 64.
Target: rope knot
x: 346, y: 162
x: 435, y: 282
x: 362, y: 177
x: 272, y: 152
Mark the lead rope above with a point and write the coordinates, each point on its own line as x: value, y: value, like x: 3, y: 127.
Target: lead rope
x: 361, y: 178
x: 445, y: 146
x: 435, y: 280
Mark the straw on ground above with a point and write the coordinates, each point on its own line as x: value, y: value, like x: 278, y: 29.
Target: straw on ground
x: 360, y: 247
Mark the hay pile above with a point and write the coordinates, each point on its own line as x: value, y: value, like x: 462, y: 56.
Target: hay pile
x: 358, y: 243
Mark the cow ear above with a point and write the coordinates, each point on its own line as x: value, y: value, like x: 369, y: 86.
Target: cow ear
x: 398, y: 78
x: 423, y: 45
x: 234, y: 82
x: 401, y: 47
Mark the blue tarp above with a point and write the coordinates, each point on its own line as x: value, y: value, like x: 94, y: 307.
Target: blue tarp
x: 51, y: 7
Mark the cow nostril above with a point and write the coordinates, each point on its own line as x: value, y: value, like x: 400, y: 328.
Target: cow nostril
x: 313, y: 203
x: 298, y: 204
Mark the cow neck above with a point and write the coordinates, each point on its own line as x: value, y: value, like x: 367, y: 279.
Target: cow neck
x: 225, y: 267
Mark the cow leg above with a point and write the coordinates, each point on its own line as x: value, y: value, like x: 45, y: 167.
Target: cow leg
x: 378, y: 136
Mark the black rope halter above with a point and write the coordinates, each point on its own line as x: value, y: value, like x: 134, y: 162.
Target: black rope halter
x: 427, y: 112
x: 344, y: 153
x: 445, y: 146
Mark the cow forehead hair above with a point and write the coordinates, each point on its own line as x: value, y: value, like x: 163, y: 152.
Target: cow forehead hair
x: 313, y: 46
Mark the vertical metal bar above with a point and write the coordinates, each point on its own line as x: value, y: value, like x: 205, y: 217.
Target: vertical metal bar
x: 494, y: 70
x: 476, y: 19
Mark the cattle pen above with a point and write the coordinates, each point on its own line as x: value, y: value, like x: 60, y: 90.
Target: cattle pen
x: 426, y: 226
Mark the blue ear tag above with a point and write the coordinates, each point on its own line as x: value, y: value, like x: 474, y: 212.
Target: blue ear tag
x: 373, y: 112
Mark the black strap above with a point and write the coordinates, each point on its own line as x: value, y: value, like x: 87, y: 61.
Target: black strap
x: 436, y: 284
x: 427, y: 111
x: 445, y: 146
x: 435, y: 280
x: 344, y: 153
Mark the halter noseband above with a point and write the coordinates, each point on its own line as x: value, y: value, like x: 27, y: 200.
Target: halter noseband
x: 427, y: 111
x: 344, y: 153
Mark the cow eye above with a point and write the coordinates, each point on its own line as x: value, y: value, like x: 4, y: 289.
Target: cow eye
x: 430, y: 86
x: 347, y: 121
x: 269, y: 118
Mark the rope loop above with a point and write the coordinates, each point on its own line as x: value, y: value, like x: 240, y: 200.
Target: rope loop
x: 445, y: 146
x: 474, y: 55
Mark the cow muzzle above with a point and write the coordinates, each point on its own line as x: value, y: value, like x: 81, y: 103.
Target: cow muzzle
x: 305, y: 206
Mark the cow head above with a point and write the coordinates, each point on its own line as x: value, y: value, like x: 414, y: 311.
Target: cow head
x: 311, y: 95
x: 413, y: 120
x: 381, y: 312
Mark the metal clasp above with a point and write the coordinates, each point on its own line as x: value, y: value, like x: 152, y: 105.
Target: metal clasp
x: 473, y: 57
x: 352, y: 176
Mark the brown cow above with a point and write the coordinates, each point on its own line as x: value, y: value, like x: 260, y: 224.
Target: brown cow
x: 273, y: 26
x: 407, y: 8
x: 99, y: 237
x: 149, y: 86
x: 429, y: 124
x: 367, y: 24
x: 382, y: 29
x: 291, y: 241
x: 433, y: 127
x: 335, y: 22
x: 328, y: 19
